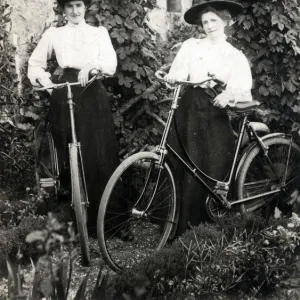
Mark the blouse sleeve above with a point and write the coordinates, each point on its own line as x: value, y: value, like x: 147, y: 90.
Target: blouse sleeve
x: 107, y: 58
x: 180, y: 66
x: 240, y: 80
x: 37, y: 63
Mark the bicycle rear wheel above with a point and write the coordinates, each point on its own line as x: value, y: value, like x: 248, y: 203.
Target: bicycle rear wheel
x: 79, y: 200
x: 46, y: 162
x: 256, y: 175
x: 137, y: 210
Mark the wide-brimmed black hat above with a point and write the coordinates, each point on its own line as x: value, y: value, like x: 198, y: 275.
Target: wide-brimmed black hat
x: 191, y: 15
x: 63, y: 2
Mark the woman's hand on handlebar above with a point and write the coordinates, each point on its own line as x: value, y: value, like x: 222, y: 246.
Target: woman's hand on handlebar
x: 83, y: 76
x: 170, y: 78
x: 45, y: 82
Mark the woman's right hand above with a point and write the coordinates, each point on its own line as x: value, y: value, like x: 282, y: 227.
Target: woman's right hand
x: 170, y: 78
x: 45, y: 82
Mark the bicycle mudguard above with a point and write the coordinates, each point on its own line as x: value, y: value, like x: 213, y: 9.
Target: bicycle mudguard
x: 253, y: 144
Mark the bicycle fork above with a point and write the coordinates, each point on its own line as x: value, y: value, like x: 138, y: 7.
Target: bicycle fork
x: 75, y: 147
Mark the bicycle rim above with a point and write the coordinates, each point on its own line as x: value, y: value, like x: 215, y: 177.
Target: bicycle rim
x: 46, y: 162
x: 79, y: 204
x: 256, y: 175
x: 130, y: 225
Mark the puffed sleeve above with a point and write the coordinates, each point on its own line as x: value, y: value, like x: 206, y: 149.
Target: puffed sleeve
x: 37, y: 63
x: 240, y: 80
x: 180, y: 66
x: 106, y: 60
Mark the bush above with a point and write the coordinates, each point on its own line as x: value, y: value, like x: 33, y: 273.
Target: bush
x: 12, y: 240
x: 208, y: 261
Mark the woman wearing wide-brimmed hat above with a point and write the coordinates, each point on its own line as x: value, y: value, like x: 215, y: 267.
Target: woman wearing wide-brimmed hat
x: 203, y: 123
x: 79, y: 48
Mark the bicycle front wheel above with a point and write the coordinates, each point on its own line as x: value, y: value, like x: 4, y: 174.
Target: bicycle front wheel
x: 79, y: 200
x: 46, y: 162
x: 263, y: 173
x: 137, y: 210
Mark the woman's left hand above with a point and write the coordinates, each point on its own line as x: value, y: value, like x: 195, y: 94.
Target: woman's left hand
x: 83, y: 76
x: 222, y: 100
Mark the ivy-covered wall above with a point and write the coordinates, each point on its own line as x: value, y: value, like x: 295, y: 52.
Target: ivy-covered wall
x: 268, y: 33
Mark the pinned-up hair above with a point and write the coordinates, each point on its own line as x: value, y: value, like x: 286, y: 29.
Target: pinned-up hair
x: 62, y: 3
x: 224, y: 14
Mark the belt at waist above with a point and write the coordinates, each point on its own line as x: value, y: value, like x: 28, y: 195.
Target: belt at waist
x: 70, y: 75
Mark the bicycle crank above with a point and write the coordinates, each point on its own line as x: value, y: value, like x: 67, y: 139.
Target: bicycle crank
x: 215, y: 209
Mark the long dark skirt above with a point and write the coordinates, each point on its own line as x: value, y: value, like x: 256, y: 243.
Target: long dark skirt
x: 95, y: 132
x: 207, y: 135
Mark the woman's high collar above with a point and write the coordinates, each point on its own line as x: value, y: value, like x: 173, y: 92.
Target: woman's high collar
x: 218, y: 40
x: 81, y: 24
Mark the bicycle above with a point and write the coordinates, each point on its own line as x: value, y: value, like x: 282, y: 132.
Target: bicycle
x: 47, y: 171
x: 141, y: 194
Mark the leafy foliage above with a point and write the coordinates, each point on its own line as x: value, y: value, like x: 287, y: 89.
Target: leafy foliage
x: 17, y: 115
x: 213, y: 262
x: 53, y: 271
x: 268, y: 34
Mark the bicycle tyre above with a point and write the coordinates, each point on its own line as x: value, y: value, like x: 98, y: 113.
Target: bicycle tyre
x: 46, y: 161
x: 256, y: 170
x: 151, y: 230
x: 79, y: 199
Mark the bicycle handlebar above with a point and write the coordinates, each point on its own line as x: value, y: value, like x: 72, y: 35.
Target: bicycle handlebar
x: 160, y: 76
x: 61, y: 85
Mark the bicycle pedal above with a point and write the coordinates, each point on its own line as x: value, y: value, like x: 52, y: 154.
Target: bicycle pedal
x: 47, y: 182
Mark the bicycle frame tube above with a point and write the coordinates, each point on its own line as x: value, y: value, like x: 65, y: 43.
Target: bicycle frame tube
x: 72, y: 119
x: 74, y: 138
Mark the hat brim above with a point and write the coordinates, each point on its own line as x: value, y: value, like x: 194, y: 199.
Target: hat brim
x: 191, y: 15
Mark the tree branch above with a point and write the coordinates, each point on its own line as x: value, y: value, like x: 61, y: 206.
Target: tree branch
x: 155, y: 116
x: 136, y: 99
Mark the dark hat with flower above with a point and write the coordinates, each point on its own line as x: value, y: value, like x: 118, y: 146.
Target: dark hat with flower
x: 63, y: 2
x: 191, y: 15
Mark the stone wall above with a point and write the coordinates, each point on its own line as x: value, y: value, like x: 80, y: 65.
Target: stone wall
x: 29, y: 17
x: 161, y: 20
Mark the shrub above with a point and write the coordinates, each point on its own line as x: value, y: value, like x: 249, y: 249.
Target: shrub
x: 208, y: 261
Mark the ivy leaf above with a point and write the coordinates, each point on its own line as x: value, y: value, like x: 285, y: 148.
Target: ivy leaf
x: 259, y: 9
x: 290, y: 86
x: 124, y: 80
x: 275, y: 37
x: 121, y: 53
x: 140, y: 87
x: 129, y: 23
x: 138, y: 35
x: 140, y: 72
x: 120, y: 35
x: 24, y: 126
x: 296, y: 109
x: 31, y: 115
x: 280, y: 20
x: 118, y: 19
x: 147, y: 53
x: 263, y: 91
x: 133, y: 14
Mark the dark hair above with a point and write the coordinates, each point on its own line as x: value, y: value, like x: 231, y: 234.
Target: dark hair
x: 223, y: 14
x: 62, y: 3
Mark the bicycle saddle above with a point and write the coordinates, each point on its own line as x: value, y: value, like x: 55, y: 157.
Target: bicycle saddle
x: 245, y: 106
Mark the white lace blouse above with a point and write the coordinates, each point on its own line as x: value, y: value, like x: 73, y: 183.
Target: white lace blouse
x: 74, y: 47
x: 198, y: 57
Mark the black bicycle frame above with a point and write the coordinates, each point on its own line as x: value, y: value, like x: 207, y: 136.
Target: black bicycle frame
x: 197, y: 173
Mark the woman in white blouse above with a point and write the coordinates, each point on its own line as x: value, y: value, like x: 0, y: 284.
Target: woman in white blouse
x: 79, y: 48
x: 203, y: 124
